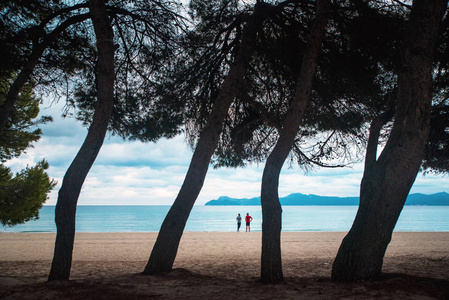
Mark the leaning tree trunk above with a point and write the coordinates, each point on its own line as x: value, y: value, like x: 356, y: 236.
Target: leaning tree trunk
x: 387, y: 181
x: 166, y: 247
x: 271, y: 262
x: 77, y: 172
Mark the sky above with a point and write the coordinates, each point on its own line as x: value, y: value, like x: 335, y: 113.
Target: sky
x: 135, y: 173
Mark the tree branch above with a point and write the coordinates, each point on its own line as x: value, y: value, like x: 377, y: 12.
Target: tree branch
x: 315, y: 162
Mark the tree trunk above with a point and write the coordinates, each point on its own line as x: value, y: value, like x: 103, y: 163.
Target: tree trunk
x: 78, y: 170
x: 164, y: 251
x: 387, y: 181
x: 271, y: 262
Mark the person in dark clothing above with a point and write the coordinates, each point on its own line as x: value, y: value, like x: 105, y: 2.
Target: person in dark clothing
x: 239, y: 222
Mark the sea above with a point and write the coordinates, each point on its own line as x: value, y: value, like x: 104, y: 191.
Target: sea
x: 223, y: 218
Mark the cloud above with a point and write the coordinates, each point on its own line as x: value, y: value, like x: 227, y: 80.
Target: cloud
x: 66, y: 128
x: 135, y: 173
x: 157, y: 155
x: 430, y: 184
x: 236, y: 183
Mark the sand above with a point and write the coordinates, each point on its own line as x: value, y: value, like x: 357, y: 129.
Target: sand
x: 219, y: 265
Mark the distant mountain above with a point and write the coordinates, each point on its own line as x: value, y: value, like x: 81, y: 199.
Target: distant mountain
x: 301, y: 199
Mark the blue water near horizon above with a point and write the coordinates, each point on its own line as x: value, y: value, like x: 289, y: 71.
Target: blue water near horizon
x: 222, y: 218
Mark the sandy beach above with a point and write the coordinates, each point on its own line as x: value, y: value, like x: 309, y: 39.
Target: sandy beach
x: 218, y: 265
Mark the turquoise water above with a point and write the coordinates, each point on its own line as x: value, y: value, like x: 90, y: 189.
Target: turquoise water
x: 222, y: 218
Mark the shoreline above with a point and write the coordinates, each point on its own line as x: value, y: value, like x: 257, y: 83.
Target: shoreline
x: 209, y: 231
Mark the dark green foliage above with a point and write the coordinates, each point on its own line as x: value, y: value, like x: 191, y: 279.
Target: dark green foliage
x: 26, y: 27
x: 436, y: 156
x: 251, y: 128
x: 352, y: 85
x: 21, y: 129
x: 204, y: 59
x: 22, y: 196
x: 18, y: 28
x: 57, y: 39
x: 146, y: 45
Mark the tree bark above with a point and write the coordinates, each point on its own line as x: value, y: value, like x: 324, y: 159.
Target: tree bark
x: 271, y: 261
x: 166, y: 247
x: 78, y: 170
x: 387, y: 181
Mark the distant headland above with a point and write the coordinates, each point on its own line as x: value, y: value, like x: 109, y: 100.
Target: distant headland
x: 441, y: 199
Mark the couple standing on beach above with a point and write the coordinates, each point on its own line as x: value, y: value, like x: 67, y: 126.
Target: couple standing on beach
x: 248, y: 220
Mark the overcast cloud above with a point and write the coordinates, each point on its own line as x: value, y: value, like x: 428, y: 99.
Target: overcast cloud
x: 134, y: 173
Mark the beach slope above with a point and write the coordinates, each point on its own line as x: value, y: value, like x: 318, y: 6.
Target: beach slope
x: 218, y: 265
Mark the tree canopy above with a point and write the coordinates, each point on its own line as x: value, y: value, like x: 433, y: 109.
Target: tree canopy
x: 22, y: 126
x: 352, y: 85
x: 22, y: 195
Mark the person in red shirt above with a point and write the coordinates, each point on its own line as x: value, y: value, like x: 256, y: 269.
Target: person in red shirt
x: 248, y: 220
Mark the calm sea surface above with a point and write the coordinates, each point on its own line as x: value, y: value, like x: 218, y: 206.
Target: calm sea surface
x: 222, y: 218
